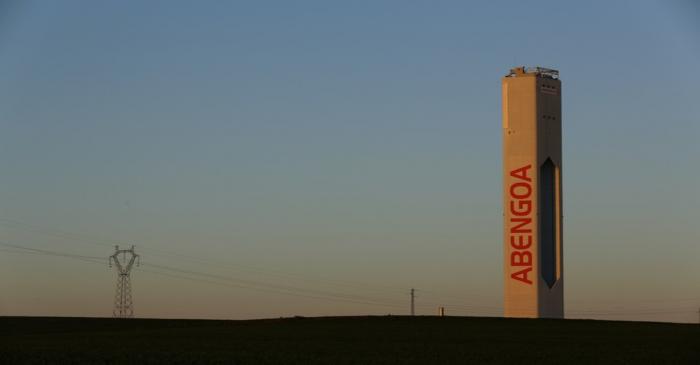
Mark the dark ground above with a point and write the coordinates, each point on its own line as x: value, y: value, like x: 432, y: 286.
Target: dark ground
x: 344, y: 340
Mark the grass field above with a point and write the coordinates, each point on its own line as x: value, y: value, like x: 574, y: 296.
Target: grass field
x: 344, y: 340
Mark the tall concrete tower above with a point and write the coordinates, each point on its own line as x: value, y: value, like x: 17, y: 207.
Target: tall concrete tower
x: 532, y: 195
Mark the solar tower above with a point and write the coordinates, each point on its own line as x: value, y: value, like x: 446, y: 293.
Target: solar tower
x: 532, y: 195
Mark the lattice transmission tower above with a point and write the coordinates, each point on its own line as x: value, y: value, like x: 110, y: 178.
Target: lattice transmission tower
x: 124, y: 260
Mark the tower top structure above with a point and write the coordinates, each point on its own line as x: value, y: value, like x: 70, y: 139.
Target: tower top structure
x: 533, y: 71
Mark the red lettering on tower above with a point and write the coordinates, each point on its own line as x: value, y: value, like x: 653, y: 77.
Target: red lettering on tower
x: 522, y: 275
x: 520, y: 224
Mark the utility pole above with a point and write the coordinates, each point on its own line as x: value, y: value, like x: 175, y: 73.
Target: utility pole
x: 413, y: 302
x: 124, y: 260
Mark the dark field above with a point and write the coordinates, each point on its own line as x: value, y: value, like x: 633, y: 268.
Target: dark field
x: 344, y: 340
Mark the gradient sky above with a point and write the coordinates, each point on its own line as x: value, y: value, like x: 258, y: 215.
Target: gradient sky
x: 329, y: 156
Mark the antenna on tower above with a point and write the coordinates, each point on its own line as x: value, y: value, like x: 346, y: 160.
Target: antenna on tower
x: 124, y: 260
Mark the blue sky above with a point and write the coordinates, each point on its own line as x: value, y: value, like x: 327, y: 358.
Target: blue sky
x: 314, y: 144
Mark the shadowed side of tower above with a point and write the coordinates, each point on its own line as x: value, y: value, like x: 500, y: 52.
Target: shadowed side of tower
x: 532, y: 171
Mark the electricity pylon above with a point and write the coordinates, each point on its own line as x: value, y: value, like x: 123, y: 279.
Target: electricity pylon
x: 124, y: 260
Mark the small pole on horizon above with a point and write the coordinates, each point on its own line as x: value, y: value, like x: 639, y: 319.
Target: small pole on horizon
x: 413, y: 302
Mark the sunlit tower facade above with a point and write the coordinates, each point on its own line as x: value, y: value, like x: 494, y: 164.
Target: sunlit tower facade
x: 532, y: 194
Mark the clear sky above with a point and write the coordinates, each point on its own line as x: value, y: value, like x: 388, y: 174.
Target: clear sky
x: 321, y: 158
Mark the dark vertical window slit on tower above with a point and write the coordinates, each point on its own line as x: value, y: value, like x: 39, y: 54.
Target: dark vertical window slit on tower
x: 548, y: 250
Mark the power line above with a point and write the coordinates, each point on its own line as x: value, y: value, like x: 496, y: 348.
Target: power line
x: 247, y: 284
x: 52, y: 253
x: 633, y: 311
x: 102, y: 242
x: 282, y: 289
x: 188, y: 275
x: 258, y: 284
x: 238, y: 267
x: 58, y: 233
x: 319, y: 295
x: 229, y: 285
x: 277, y: 273
x: 91, y: 239
x: 315, y: 294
